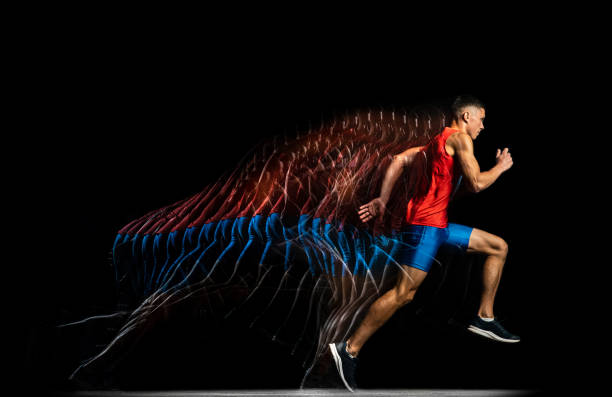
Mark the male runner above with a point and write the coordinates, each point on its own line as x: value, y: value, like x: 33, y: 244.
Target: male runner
x: 450, y: 154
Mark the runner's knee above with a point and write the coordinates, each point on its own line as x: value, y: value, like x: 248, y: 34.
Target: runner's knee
x: 500, y: 247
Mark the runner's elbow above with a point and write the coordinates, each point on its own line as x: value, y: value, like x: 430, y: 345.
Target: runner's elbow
x: 399, y: 161
x: 474, y: 187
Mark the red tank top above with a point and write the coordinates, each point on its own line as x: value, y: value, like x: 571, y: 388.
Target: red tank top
x: 429, y: 205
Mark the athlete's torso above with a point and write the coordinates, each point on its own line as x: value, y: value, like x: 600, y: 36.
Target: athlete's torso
x: 429, y: 205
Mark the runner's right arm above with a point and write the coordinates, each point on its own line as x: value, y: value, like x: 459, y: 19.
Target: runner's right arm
x: 400, y: 161
x: 377, y: 206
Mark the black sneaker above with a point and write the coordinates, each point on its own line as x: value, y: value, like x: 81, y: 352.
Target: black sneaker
x: 492, y: 330
x: 345, y: 363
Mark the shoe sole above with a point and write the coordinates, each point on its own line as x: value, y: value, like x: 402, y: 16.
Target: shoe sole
x: 338, y: 361
x: 491, y: 335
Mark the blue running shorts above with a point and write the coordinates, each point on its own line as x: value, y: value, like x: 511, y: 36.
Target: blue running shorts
x: 418, y: 244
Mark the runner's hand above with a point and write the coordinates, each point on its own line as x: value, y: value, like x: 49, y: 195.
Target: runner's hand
x: 372, y: 209
x: 504, y: 159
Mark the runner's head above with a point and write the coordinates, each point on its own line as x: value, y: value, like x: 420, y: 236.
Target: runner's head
x: 468, y: 114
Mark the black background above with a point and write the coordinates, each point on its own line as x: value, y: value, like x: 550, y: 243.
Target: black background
x: 126, y: 123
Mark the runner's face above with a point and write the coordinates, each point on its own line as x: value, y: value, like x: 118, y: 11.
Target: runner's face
x: 475, y: 123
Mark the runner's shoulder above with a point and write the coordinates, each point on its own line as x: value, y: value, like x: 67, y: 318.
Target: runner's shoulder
x: 460, y: 140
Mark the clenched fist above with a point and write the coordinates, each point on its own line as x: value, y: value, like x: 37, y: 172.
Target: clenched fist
x: 504, y: 159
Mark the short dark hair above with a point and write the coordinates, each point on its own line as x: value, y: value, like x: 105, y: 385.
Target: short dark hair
x: 463, y: 101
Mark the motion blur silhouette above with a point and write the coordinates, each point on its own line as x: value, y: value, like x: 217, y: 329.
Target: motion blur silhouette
x: 276, y: 241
